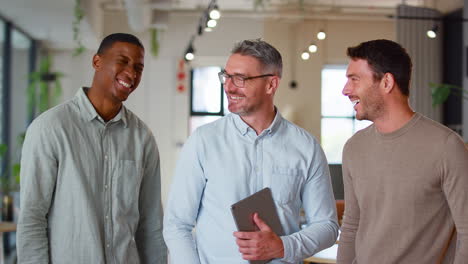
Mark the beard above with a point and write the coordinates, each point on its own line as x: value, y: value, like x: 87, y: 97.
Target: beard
x: 372, y: 106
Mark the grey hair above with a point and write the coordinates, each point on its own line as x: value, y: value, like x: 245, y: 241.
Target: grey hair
x: 269, y: 57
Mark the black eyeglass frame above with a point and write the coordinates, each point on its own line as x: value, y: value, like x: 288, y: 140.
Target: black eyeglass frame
x: 223, y: 76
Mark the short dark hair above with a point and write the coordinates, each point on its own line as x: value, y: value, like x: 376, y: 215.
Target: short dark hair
x: 108, y: 41
x: 269, y: 57
x: 385, y: 56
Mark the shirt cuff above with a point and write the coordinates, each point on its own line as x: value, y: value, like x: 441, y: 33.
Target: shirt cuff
x: 288, y: 250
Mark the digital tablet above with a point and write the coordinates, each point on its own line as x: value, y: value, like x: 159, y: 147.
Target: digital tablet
x: 262, y: 203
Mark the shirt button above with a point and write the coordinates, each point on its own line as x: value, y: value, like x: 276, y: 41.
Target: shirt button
x: 107, y: 245
x: 105, y: 186
x: 107, y: 217
x: 105, y: 157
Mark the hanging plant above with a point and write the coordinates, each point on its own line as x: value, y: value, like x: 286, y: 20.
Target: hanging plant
x: 154, y: 42
x: 78, y: 14
x: 41, y: 79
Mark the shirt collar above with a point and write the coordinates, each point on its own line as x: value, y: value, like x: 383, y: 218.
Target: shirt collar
x: 244, y: 127
x: 89, y: 112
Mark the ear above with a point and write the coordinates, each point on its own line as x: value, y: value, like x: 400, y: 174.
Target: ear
x: 97, y: 60
x: 388, y: 82
x: 273, y: 85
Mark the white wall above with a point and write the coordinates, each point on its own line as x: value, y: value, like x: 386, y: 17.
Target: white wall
x: 165, y: 110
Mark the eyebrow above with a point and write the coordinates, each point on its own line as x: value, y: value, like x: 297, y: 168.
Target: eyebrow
x: 235, y: 73
x: 120, y: 56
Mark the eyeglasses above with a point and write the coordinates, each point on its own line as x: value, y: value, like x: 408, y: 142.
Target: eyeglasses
x: 238, y: 80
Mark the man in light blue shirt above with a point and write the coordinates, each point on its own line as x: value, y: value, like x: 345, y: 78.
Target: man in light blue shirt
x: 240, y: 154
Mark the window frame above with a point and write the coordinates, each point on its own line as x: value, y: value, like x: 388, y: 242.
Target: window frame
x: 201, y: 113
x: 322, y: 116
x: 6, y: 98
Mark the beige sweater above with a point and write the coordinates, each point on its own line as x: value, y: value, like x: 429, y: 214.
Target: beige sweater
x: 404, y: 191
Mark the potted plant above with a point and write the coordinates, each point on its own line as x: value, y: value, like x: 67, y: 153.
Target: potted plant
x: 441, y: 91
x: 41, y: 81
x: 9, y: 183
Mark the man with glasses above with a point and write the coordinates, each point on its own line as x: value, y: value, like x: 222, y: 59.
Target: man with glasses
x: 240, y: 154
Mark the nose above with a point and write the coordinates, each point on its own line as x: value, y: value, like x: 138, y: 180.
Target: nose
x: 130, y: 72
x: 229, y: 86
x: 346, y: 89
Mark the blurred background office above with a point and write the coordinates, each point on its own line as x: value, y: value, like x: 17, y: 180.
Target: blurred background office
x: 46, y: 47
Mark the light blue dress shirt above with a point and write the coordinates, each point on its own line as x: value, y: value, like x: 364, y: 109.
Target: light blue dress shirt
x: 90, y: 190
x: 224, y: 162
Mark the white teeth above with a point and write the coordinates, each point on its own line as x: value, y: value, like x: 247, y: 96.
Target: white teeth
x: 355, y: 102
x: 124, y: 84
x: 236, y: 97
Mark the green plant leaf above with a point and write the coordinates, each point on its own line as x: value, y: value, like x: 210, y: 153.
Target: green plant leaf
x: 44, y: 65
x: 3, y: 149
x: 20, y: 138
x: 15, y: 171
x: 43, y: 97
x: 440, y: 93
x: 154, y: 42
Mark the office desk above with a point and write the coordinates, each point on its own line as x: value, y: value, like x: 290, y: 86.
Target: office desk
x: 325, y: 256
x: 5, y: 227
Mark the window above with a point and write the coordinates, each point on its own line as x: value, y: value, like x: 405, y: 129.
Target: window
x: 2, y: 80
x: 18, y: 108
x: 208, y: 101
x: 338, y: 118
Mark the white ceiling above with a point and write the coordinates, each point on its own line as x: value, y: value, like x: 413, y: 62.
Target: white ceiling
x: 51, y: 20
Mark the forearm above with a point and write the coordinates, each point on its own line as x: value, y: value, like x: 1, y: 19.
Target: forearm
x: 308, y: 241
x: 32, y: 241
x: 461, y: 250
x: 151, y: 246
x: 346, y: 249
x: 180, y: 243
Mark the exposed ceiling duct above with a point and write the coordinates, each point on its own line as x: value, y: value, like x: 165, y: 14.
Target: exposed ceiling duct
x: 143, y: 14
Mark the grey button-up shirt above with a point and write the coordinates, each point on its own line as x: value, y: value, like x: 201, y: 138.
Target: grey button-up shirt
x: 90, y: 190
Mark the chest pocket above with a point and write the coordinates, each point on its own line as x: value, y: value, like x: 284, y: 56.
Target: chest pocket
x: 285, y: 184
x: 127, y: 181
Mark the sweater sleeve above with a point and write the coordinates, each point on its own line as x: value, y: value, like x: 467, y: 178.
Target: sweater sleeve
x: 454, y: 167
x: 346, y: 245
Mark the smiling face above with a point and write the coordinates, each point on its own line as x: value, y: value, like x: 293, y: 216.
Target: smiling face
x: 119, y: 70
x: 364, y: 91
x: 257, y: 94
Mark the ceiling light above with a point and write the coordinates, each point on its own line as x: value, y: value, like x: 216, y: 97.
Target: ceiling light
x: 321, y: 35
x: 215, y: 14
x: 189, y: 53
x: 313, y: 48
x: 305, y: 55
x: 432, y: 33
x: 211, y: 23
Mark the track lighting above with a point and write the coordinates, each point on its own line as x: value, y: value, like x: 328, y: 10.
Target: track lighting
x: 305, y: 55
x: 190, y: 52
x: 208, y: 20
x: 312, y: 48
x: 214, y: 13
x: 321, y: 35
x: 211, y: 23
x: 432, y: 33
